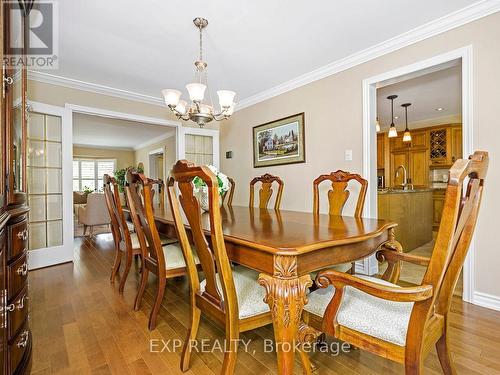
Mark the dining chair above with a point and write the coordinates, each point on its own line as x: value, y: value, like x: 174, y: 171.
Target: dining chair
x: 125, y: 242
x: 266, y: 190
x: 230, y: 192
x: 338, y: 196
x: 164, y: 261
x: 229, y: 295
x: 403, y: 323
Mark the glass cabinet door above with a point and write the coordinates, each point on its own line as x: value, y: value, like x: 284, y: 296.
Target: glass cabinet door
x: 15, y: 96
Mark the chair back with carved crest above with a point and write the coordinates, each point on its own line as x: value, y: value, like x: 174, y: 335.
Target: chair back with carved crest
x: 266, y: 190
x: 229, y: 193
x: 140, y: 197
x: 118, y: 221
x: 212, y: 254
x: 110, y: 204
x: 339, y: 194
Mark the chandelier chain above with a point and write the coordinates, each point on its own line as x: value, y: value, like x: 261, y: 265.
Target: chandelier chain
x: 201, y: 43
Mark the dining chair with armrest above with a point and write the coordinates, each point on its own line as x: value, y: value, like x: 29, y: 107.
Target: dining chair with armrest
x: 229, y: 295
x: 165, y: 261
x: 403, y: 323
x: 266, y: 190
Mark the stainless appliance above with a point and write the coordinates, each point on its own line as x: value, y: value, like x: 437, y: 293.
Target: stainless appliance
x: 380, y: 182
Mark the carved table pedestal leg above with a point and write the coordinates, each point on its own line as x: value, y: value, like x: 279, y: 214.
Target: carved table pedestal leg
x: 286, y: 296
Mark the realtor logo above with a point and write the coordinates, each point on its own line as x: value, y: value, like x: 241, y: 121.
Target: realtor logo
x: 36, y: 44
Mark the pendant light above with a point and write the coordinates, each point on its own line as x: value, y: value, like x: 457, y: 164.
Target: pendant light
x: 407, y: 134
x: 377, y: 126
x: 393, y: 133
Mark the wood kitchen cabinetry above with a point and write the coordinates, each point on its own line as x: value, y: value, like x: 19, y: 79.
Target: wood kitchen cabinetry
x: 430, y: 148
x: 445, y: 145
x: 438, y: 205
x: 414, y: 156
x: 380, y: 151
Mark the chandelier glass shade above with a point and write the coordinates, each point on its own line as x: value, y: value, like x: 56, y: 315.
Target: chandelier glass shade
x: 407, y: 134
x: 393, y: 133
x: 199, y: 109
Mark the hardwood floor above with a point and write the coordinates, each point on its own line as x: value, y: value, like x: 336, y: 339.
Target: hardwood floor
x: 81, y: 324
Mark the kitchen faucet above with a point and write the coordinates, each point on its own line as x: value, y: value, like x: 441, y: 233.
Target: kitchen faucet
x: 405, y: 184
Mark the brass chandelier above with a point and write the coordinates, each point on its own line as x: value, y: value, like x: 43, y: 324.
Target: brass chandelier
x: 198, y: 110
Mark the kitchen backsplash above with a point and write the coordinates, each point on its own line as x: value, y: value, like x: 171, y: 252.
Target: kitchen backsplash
x: 438, y: 178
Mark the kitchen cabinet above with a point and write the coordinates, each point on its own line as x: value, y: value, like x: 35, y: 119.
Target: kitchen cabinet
x: 399, y: 157
x: 438, y: 205
x: 456, y: 143
x: 418, y: 160
x: 380, y: 151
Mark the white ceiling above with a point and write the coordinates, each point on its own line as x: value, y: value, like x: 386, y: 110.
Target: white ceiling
x: 440, y: 89
x: 250, y: 46
x: 112, y: 133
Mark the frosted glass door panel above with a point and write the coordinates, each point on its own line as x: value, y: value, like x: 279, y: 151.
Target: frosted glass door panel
x: 199, y: 149
x: 45, y: 195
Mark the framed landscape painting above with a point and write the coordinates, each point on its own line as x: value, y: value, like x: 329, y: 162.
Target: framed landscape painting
x: 279, y: 142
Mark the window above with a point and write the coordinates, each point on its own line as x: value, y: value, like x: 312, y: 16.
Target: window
x: 199, y: 149
x: 88, y: 173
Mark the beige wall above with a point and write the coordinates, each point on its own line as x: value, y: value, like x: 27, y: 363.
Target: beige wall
x: 59, y: 96
x: 169, y: 147
x: 124, y: 158
x: 333, y: 123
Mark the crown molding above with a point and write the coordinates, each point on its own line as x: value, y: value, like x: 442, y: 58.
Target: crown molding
x: 94, y: 147
x: 154, y: 140
x: 453, y: 20
x: 92, y: 87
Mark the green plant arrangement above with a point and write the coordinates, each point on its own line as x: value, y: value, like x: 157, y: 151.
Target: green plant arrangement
x: 201, y: 190
x: 87, y: 190
x: 222, y: 180
x: 120, y: 175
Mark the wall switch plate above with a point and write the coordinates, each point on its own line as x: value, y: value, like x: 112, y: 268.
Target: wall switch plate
x: 348, y: 155
x: 229, y: 154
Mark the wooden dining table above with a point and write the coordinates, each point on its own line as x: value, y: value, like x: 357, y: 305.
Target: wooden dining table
x: 285, y: 247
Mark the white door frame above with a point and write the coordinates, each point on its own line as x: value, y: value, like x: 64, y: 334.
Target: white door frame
x: 152, y: 162
x: 181, y: 141
x: 370, y: 265
x: 64, y: 253
x: 94, y: 111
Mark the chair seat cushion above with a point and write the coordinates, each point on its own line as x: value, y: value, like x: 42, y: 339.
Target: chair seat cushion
x: 249, y: 293
x: 383, y: 319
x: 174, y: 257
x: 136, y: 244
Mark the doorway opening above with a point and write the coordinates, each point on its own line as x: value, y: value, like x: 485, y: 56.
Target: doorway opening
x: 408, y: 176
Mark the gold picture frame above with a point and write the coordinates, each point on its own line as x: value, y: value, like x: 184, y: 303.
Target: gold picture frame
x: 279, y: 142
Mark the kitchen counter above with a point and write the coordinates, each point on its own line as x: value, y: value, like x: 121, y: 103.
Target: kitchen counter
x: 401, y: 191
x: 412, y: 210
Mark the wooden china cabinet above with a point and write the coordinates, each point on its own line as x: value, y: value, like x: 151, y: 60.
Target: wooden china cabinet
x: 15, y: 340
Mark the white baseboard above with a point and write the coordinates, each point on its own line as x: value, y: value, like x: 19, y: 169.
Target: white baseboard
x: 49, y: 257
x: 486, y: 300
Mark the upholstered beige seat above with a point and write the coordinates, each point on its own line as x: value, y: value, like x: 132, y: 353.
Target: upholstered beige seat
x: 384, y: 319
x: 136, y: 244
x: 94, y: 213
x: 249, y: 293
x: 174, y: 258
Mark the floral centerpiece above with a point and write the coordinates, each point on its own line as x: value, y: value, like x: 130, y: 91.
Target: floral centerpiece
x: 201, y: 189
